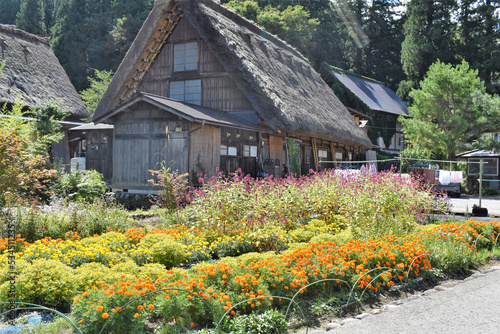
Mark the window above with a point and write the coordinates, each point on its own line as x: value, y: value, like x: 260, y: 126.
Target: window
x: 187, y: 91
x: 338, y: 156
x: 186, y: 56
x: 249, y: 151
x: 322, y: 154
x: 228, y: 150
x: 490, y: 166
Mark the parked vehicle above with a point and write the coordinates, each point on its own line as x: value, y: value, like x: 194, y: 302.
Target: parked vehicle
x: 452, y: 189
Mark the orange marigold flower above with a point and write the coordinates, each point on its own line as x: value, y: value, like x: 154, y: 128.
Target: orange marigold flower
x: 86, y: 294
x: 151, y: 307
x: 140, y: 307
x: 137, y: 315
x: 99, y: 308
x: 105, y: 315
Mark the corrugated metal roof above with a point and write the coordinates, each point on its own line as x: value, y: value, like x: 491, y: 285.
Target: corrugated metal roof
x: 478, y: 154
x: 92, y: 126
x: 373, y: 93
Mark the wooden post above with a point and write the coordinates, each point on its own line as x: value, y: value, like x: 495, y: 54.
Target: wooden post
x: 315, y: 155
x: 334, y: 156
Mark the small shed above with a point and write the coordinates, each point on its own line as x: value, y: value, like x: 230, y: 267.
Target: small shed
x: 95, y: 144
x: 491, y: 171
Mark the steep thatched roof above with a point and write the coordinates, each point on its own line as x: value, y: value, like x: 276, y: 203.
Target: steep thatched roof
x: 33, y: 72
x: 283, y: 88
x: 375, y: 94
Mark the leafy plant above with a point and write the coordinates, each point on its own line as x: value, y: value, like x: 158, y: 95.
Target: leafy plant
x: 269, y: 322
x: 172, y: 185
x: 81, y: 185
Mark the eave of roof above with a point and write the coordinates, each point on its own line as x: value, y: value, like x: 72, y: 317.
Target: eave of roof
x: 478, y: 154
x: 189, y: 112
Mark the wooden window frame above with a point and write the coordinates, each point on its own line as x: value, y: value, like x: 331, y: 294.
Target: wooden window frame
x: 182, y: 61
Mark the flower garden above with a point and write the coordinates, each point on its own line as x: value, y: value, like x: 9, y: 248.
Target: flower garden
x: 236, y: 250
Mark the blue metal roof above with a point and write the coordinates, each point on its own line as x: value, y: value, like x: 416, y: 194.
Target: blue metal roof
x: 374, y: 94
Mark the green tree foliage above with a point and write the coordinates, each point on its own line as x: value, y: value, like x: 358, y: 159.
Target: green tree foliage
x: 429, y: 36
x: 451, y: 106
x: 477, y: 39
x: 8, y: 11
x: 292, y: 23
x: 23, y: 151
x: 98, y: 85
x: 31, y: 17
x: 95, y: 34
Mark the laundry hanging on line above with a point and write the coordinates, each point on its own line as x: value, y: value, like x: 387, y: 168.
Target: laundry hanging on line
x: 447, y: 177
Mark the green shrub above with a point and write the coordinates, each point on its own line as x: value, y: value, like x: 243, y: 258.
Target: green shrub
x: 270, y: 322
x: 45, y: 281
x: 164, y: 249
x: 81, y: 185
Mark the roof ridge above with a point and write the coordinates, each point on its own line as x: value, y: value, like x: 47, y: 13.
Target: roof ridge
x: 250, y: 25
x: 348, y: 72
x: 13, y: 30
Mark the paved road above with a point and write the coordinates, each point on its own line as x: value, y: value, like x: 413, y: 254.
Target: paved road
x: 465, y: 203
x: 471, y: 306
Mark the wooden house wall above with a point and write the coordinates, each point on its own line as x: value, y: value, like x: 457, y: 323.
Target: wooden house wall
x: 141, y: 144
x: 60, y: 150
x: 204, y: 152
x: 219, y: 91
x: 276, y: 148
x: 99, y: 153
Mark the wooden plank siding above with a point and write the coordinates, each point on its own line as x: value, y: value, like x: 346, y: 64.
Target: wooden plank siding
x: 141, y: 144
x: 204, y: 152
x: 219, y: 91
x: 99, y: 153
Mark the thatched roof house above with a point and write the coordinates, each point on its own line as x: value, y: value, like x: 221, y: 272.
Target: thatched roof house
x: 201, y: 53
x: 33, y: 73
x: 281, y: 85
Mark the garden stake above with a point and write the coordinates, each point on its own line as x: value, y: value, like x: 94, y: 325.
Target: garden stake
x: 256, y: 298
x: 40, y: 307
x: 150, y: 293
x: 313, y: 283
x: 495, y: 246
x: 475, y: 243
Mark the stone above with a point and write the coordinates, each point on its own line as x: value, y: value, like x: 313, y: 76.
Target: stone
x: 332, y: 325
x: 362, y: 316
x: 348, y: 320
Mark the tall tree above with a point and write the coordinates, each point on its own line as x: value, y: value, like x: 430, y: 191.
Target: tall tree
x: 478, y: 34
x: 9, y: 10
x: 98, y: 85
x: 450, y: 107
x: 31, y: 17
x: 69, y: 41
x: 429, y: 35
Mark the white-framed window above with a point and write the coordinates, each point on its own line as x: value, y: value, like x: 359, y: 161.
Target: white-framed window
x: 249, y: 151
x: 490, y: 166
x: 186, y: 56
x: 322, y: 154
x: 187, y: 91
x: 338, y: 156
x: 228, y: 150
